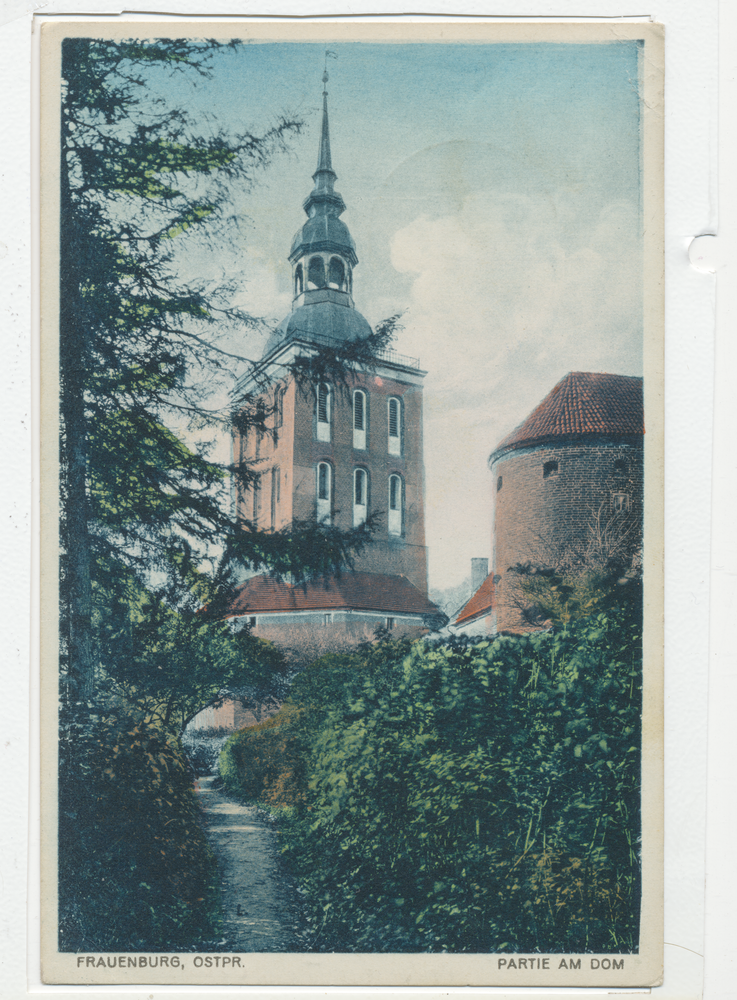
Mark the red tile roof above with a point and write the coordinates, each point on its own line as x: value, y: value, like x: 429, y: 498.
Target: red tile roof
x: 357, y: 591
x: 481, y: 602
x: 582, y: 403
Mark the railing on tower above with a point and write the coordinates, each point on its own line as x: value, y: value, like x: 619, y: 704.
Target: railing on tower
x: 384, y: 354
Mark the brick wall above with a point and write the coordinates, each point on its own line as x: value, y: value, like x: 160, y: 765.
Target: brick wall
x: 562, y: 505
x: 294, y: 452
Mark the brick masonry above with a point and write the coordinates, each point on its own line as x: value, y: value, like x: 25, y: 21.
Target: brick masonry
x: 561, y: 504
x: 287, y: 461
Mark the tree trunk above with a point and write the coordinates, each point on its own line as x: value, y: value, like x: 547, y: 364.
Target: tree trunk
x: 76, y: 591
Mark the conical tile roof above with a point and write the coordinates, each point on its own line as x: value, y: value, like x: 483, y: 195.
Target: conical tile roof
x: 582, y: 403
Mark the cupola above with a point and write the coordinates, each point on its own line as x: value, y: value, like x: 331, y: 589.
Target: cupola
x: 323, y: 253
x: 323, y: 256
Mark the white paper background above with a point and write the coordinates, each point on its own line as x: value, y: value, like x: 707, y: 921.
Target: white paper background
x: 693, y: 559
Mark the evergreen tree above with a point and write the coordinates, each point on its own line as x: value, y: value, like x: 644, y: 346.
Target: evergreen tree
x: 138, y: 356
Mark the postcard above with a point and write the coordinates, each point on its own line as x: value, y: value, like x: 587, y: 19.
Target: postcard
x: 352, y: 462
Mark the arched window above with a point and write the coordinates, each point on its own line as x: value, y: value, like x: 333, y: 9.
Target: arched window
x: 359, y: 419
x: 336, y: 273
x: 395, y: 426
x: 360, y: 496
x: 316, y: 273
x: 256, y: 496
x: 278, y: 406
x: 275, y: 494
x: 324, y: 492
x: 323, y: 412
x: 620, y: 467
x: 395, y: 505
x: 299, y: 282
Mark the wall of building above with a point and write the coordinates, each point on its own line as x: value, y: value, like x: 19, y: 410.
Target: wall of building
x: 292, y: 453
x: 562, y: 505
x: 303, y: 638
x: 229, y: 716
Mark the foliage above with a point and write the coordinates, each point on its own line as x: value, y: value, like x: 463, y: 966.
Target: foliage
x: 471, y: 796
x: 203, y: 751
x: 135, y: 870
x: 269, y: 762
x: 558, y: 597
x: 142, y: 188
x: 146, y: 534
x: 162, y: 665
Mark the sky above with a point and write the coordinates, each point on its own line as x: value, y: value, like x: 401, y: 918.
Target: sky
x: 493, y: 192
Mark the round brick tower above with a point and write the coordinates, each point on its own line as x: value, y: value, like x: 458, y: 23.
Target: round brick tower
x: 568, y: 485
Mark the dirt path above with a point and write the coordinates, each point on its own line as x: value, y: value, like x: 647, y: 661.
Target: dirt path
x: 259, y: 900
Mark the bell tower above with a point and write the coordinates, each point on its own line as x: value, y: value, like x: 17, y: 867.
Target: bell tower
x: 337, y: 453
x: 323, y: 254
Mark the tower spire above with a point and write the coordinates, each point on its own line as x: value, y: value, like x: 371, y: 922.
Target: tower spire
x: 324, y: 177
x: 323, y: 159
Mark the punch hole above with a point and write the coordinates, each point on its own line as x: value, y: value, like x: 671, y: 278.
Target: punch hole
x: 706, y: 253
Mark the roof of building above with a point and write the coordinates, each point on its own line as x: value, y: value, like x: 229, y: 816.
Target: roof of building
x: 324, y: 232
x: 320, y: 319
x: 582, y: 403
x: 357, y: 591
x: 481, y: 602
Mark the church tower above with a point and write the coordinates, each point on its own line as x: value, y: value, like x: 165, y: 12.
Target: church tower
x: 336, y: 453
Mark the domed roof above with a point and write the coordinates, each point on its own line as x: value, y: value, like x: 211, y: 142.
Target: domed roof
x: 323, y: 232
x: 582, y: 403
x: 318, y: 320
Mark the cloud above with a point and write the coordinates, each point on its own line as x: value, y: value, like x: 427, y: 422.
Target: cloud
x: 507, y: 295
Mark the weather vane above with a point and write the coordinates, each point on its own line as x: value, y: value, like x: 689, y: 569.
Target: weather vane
x: 329, y: 54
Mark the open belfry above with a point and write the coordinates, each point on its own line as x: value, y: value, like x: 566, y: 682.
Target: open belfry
x: 335, y: 453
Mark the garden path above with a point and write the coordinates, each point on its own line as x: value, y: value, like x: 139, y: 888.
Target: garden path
x: 259, y: 900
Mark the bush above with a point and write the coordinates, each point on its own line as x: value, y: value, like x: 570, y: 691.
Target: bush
x: 136, y: 871
x: 267, y: 763
x: 270, y: 763
x: 479, y: 797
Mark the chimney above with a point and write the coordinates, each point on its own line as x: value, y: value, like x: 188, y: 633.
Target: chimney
x: 479, y: 572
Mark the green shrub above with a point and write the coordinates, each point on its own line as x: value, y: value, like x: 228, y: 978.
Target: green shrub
x: 267, y: 763
x: 135, y: 869
x: 478, y: 797
x: 270, y: 762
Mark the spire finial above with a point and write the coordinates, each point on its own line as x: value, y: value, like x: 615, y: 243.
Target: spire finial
x: 323, y: 159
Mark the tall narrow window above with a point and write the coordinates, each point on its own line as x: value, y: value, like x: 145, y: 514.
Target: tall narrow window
x: 359, y: 419
x: 299, y: 283
x: 324, y: 492
x: 360, y: 496
x: 256, y: 499
x: 395, y: 426
x: 323, y: 412
x: 278, y: 406
x: 275, y: 494
x: 395, y: 505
